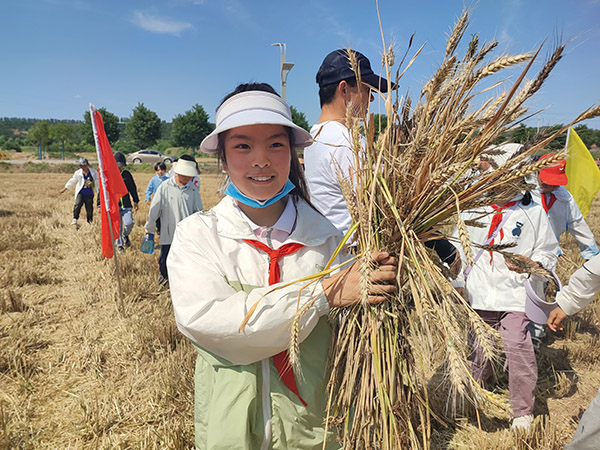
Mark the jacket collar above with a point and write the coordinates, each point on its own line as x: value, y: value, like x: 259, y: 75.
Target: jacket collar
x: 312, y: 228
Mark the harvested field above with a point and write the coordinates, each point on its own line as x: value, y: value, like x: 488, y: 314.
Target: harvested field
x: 76, y: 374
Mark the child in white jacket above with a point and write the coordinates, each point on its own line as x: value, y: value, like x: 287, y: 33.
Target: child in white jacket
x: 562, y: 210
x: 498, y: 293
x: 244, y: 259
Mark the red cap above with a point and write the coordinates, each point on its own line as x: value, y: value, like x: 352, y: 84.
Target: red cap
x: 554, y: 175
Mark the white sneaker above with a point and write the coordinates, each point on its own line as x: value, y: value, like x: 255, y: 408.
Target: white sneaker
x: 522, y: 422
x: 74, y: 222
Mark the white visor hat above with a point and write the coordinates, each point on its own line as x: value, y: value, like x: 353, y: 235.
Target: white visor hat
x: 254, y: 108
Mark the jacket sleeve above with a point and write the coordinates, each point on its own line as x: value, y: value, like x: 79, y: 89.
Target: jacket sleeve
x: 131, y: 187
x: 198, y: 202
x: 155, y: 211
x: 580, y: 230
x: 149, y: 189
x: 209, y: 310
x: 72, y: 181
x: 583, y: 286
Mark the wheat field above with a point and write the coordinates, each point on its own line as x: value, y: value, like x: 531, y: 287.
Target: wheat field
x: 74, y: 373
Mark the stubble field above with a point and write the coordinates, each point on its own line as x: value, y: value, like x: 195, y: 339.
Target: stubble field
x: 75, y: 373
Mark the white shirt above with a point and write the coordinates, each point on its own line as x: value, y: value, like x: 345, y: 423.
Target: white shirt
x: 325, y: 161
x: 564, y: 216
x: 275, y: 236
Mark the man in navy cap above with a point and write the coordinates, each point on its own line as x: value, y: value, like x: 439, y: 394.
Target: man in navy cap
x: 331, y: 156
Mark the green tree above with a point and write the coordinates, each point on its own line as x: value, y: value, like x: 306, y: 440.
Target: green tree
x: 111, y: 127
x: 40, y: 134
x: 190, y: 128
x: 299, y: 119
x: 144, y: 127
x: 61, y: 132
x: 380, y: 122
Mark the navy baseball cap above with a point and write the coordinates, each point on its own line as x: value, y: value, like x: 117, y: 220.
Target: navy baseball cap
x: 336, y: 67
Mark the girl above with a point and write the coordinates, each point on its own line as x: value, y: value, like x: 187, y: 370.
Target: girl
x: 263, y: 235
x: 497, y: 293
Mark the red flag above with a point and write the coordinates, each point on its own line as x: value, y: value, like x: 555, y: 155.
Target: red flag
x: 112, y: 187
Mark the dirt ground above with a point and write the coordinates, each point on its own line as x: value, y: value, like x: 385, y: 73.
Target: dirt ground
x: 75, y: 373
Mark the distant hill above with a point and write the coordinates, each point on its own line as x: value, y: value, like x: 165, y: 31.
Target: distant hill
x: 14, y: 127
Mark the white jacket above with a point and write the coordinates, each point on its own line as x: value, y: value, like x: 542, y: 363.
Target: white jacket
x: 583, y: 287
x: 564, y: 216
x: 171, y: 204
x: 211, y: 270
x: 78, y: 178
x: 490, y: 285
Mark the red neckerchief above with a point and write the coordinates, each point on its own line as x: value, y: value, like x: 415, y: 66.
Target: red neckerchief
x: 547, y: 205
x: 496, y: 220
x: 281, y: 359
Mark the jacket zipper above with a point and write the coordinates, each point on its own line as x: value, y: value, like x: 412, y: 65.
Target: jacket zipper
x: 266, y: 402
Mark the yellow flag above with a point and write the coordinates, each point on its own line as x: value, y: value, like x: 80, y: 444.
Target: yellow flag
x: 582, y: 172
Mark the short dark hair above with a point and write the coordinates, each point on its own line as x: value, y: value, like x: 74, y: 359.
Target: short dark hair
x: 327, y: 92
x: 160, y: 165
x: 245, y: 87
x: 296, y: 174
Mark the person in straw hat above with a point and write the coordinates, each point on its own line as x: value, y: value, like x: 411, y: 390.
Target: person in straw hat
x: 174, y: 200
x: 237, y: 275
x: 86, y: 180
x: 582, y: 289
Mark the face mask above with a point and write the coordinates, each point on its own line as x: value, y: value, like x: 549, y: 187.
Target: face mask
x: 234, y: 192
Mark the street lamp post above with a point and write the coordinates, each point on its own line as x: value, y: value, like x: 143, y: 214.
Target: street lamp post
x: 285, y: 67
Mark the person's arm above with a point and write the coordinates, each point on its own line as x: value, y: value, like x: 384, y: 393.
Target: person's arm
x: 209, y: 311
x: 580, y: 230
x: 583, y: 287
x: 150, y: 190
x: 155, y: 211
x: 132, y: 188
x: 69, y: 184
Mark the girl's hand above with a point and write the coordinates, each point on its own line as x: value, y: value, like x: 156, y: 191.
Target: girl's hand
x: 343, y: 288
x: 555, y: 319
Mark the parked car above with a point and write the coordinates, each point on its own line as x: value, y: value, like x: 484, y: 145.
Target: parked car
x: 150, y: 156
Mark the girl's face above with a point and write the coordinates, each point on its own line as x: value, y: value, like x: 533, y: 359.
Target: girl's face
x: 258, y: 159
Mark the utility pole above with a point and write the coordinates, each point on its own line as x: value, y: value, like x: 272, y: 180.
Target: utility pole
x: 285, y: 68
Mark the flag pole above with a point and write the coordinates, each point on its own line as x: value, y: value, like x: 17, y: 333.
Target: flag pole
x: 121, y: 305
x: 104, y: 193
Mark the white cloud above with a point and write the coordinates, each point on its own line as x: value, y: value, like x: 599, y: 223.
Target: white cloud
x: 156, y: 24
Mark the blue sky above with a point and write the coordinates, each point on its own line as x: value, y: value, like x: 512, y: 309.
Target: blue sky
x: 61, y: 55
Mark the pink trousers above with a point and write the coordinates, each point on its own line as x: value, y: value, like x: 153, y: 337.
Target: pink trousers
x: 520, y: 358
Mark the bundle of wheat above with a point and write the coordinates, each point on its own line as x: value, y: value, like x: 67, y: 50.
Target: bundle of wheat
x: 412, y: 180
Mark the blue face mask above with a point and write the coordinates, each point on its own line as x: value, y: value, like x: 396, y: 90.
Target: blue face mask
x: 234, y: 192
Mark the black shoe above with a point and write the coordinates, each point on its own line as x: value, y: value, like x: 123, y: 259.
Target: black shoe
x: 120, y: 249
x: 162, y: 281
x: 126, y: 242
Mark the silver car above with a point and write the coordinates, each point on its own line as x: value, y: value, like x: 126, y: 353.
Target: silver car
x: 150, y: 156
